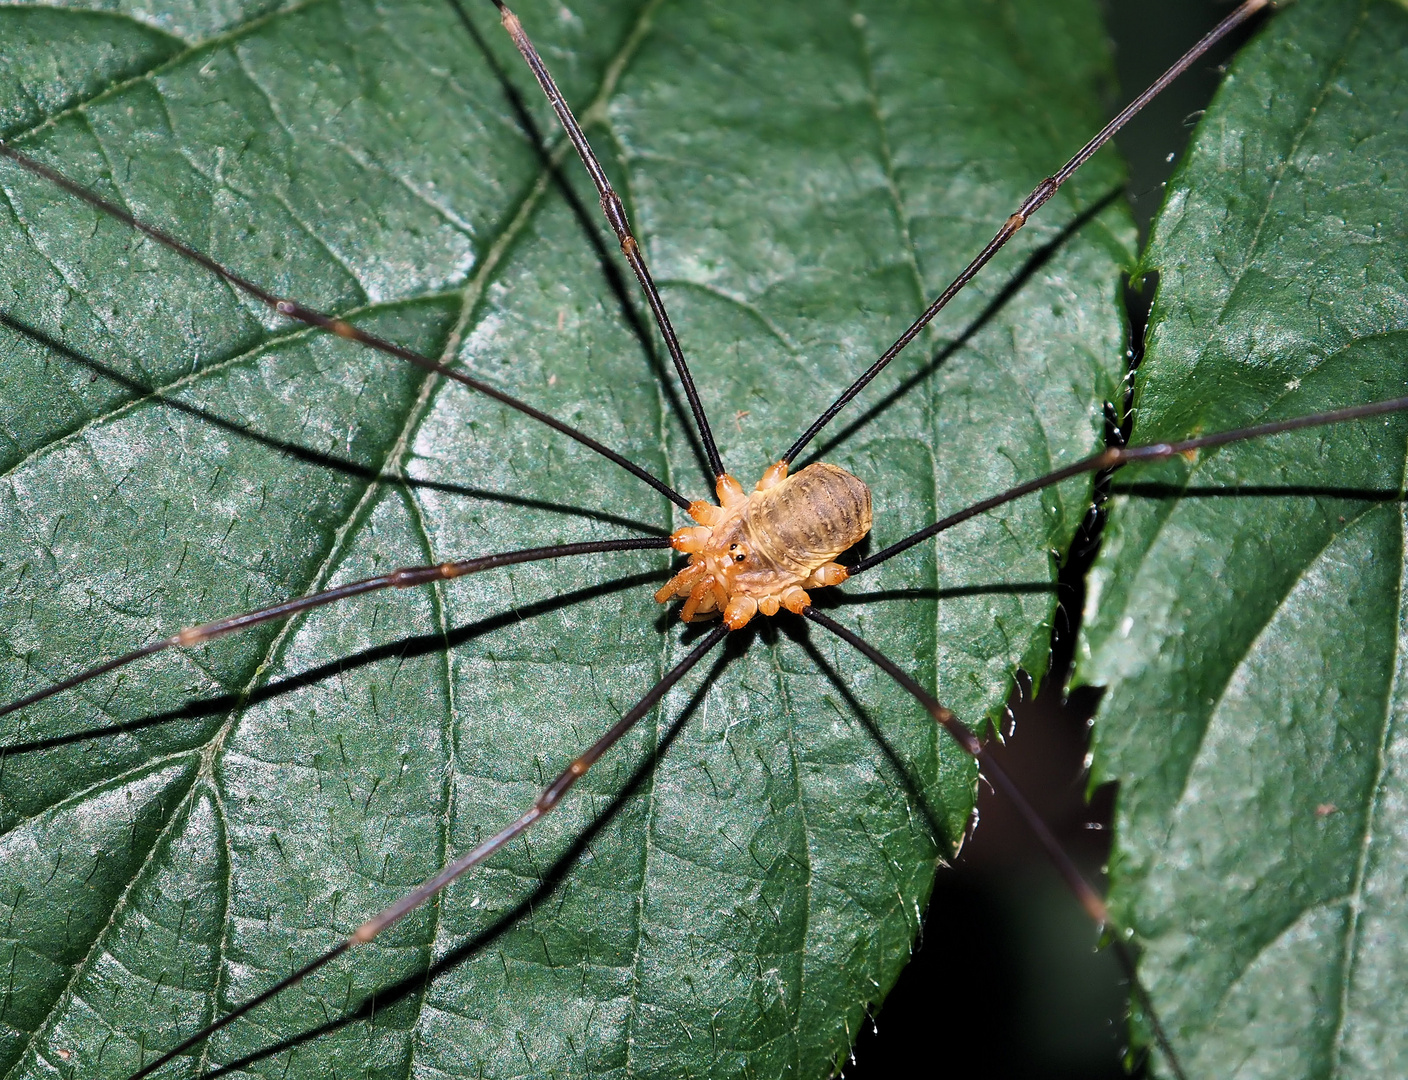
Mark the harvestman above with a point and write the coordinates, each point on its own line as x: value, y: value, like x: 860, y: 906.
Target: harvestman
x: 709, y: 585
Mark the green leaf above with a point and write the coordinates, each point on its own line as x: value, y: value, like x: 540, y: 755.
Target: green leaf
x: 802, y: 177
x: 1247, y: 611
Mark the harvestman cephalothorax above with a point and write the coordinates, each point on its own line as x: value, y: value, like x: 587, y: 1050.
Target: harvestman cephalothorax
x: 212, y: 830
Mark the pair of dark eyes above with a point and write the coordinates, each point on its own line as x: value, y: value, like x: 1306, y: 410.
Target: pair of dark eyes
x: 740, y: 555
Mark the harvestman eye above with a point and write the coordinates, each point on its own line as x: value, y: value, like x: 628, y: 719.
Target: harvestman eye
x: 751, y: 555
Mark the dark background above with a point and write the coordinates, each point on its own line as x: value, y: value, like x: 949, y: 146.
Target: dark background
x: 1007, y: 971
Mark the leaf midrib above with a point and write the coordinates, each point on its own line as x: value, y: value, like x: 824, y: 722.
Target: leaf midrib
x: 1355, y: 898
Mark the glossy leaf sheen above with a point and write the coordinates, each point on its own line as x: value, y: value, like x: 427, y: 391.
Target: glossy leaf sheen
x: 803, y: 176
x: 1252, y: 632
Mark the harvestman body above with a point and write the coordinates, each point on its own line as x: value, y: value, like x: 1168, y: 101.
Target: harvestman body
x: 761, y: 552
x: 753, y: 554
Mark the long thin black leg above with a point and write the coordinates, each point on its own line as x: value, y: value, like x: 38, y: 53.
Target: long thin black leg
x: 1030, y: 205
x: 1085, y: 893
x: 1089, y: 899
x: 1115, y: 456
x: 610, y: 271
x: 542, y: 806
x: 615, y: 212
x: 404, y: 578
x: 291, y: 309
